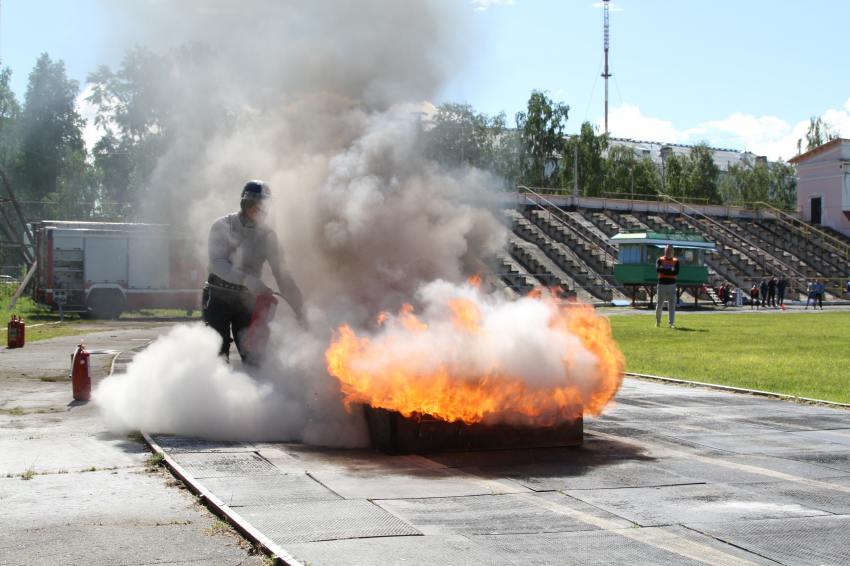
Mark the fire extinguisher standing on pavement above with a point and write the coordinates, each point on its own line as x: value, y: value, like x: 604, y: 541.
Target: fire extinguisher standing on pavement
x: 80, y: 376
x: 15, y: 333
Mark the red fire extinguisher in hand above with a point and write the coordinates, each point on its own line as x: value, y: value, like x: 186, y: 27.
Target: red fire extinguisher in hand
x: 80, y: 375
x: 258, y: 333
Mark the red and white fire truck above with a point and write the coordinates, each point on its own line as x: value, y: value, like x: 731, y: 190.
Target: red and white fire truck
x: 105, y: 268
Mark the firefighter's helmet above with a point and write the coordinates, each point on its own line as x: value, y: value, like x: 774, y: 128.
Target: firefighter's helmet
x: 254, y: 192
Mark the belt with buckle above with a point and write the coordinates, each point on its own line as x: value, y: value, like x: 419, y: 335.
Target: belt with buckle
x: 217, y: 281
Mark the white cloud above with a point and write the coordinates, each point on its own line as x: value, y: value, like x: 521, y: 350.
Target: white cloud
x: 482, y: 5
x: 761, y: 135
x: 627, y: 121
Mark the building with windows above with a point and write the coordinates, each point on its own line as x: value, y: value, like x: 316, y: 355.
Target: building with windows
x: 823, y: 189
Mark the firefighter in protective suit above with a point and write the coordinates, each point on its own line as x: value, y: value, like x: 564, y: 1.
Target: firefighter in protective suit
x: 239, y: 244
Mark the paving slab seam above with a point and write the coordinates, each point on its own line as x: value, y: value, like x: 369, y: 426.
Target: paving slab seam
x: 730, y: 543
x: 672, y: 543
x: 728, y: 388
x: 781, y: 476
x: 217, y: 506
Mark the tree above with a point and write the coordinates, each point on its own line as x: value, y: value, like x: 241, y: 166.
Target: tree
x: 588, y: 147
x: 10, y: 113
x: 819, y: 133
x: 676, y: 180
x: 702, y: 174
x: 783, y: 185
x: 51, y: 130
x: 542, y: 133
x: 619, y: 170
x: 460, y: 136
x: 748, y: 182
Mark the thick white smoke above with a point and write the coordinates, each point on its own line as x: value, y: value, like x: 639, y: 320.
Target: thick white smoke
x: 316, y: 99
x: 179, y: 385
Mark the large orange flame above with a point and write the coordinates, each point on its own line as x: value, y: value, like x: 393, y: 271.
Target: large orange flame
x: 390, y: 372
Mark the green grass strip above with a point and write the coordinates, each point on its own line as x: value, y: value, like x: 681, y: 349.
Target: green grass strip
x: 800, y: 354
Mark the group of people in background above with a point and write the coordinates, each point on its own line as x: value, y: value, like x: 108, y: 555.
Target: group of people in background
x: 815, y: 291
x: 768, y: 293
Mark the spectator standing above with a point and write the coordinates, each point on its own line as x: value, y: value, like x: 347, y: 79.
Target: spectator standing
x: 810, y: 294
x: 780, y: 290
x: 754, y: 296
x: 819, y: 292
x: 763, y: 292
x: 771, y: 292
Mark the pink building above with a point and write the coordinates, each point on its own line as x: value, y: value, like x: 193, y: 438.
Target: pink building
x: 823, y: 189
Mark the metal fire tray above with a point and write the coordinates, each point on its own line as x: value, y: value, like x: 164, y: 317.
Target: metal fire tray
x: 392, y: 432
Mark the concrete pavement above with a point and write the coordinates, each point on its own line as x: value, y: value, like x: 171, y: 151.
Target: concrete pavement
x: 71, y: 492
x: 670, y: 475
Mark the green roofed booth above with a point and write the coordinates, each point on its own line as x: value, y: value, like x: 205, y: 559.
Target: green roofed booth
x: 638, y: 251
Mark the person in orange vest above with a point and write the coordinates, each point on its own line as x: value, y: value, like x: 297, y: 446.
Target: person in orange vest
x: 667, y: 267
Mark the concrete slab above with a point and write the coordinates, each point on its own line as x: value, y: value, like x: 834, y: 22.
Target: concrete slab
x: 805, y: 541
x: 268, y: 490
x: 413, y: 483
x: 106, y: 497
x: 499, y: 514
x: 653, y: 506
x: 185, y: 444
x: 52, y: 454
x: 838, y: 460
x: 648, y: 471
x: 612, y: 474
x: 300, y: 458
x: 398, y: 551
x: 325, y: 520
x: 776, y: 443
x: 225, y: 464
x: 108, y: 545
x: 658, y: 546
x: 64, y: 514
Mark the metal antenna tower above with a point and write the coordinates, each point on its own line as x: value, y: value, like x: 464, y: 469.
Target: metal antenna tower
x: 606, y: 74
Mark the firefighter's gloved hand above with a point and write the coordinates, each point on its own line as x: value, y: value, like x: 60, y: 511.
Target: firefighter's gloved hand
x: 256, y: 285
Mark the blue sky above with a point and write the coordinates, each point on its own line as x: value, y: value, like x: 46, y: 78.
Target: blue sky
x: 741, y: 74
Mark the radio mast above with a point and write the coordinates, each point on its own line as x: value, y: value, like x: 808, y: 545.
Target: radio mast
x: 606, y: 74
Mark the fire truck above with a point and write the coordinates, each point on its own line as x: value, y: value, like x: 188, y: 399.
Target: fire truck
x: 102, y: 269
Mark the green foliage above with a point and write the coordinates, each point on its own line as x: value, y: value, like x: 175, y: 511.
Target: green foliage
x: 732, y: 350
x: 10, y: 114
x: 51, y: 129
x: 588, y: 149
x: 702, y: 174
x: 675, y: 182
x: 749, y: 182
x: 819, y: 133
x: 542, y: 132
x: 626, y: 174
x: 782, y: 191
x: 459, y: 137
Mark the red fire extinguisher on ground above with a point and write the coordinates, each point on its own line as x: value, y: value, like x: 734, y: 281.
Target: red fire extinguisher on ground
x: 257, y: 335
x: 15, y: 333
x: 80, y: 375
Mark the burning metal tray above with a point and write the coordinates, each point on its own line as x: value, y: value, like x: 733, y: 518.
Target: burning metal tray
x: 392, y: 432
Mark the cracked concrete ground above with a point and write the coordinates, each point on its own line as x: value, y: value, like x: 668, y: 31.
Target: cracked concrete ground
x: 71, y: 492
